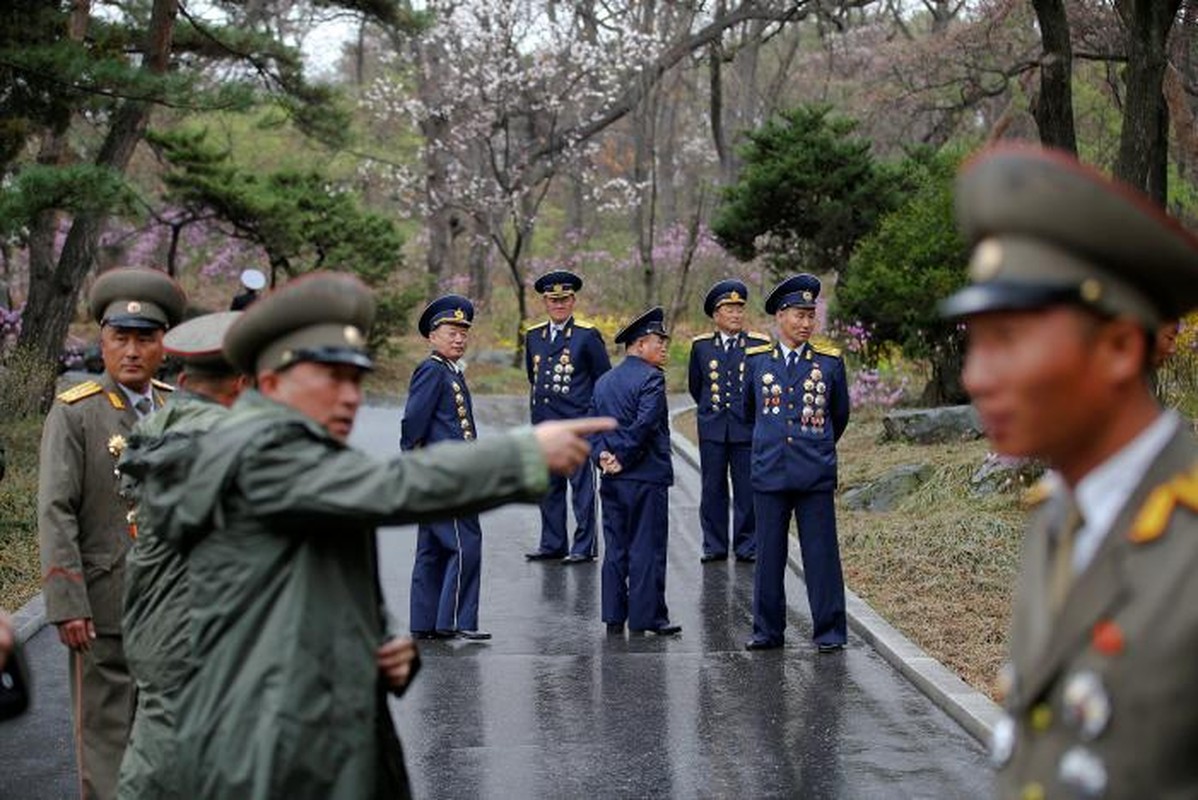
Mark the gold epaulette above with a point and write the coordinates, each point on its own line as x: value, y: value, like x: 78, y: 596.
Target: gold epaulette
x: 1038, y: 493
x: 1153, y: 517
x: 758, y: 350
x: 540, y: 324
x: 703, y: 337
x: 581, y: 323
x: 765, y: 337
x: 825, y: 349
x: 80, y: 391
x: 163, y: 385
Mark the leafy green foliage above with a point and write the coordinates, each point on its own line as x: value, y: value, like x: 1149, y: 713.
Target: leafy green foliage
x: 809, y: 189
x: 914, y: 258
x: 74, y: 188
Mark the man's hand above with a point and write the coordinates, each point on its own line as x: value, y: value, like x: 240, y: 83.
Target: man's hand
x: 77, y: 634
x: 562, y: 443
x: 609, y: 464
x: 7, y: 641
x: 398, y: 660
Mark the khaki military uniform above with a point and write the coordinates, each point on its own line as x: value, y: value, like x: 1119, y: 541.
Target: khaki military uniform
x: 1102, y: 699
x: 84, y: 535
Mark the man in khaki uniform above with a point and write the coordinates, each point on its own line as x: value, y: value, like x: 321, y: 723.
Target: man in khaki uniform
x: 82, y: 521
x: 1072, y: 274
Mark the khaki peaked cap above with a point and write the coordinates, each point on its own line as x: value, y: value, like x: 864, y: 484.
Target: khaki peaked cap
x: 199, y: 343
x: 134, y: 297
x: 1047, y: 230
x: 323, y: 317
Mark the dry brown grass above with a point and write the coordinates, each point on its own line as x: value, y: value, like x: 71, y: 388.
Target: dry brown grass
x: 20, y: 572
x: 941, y: 566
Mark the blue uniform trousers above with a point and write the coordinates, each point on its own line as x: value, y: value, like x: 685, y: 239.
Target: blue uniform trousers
x: 554, y: 518
x: 815, y: 514
x: 445, y: 577
x: 636, y: 522
x: 717, y: 459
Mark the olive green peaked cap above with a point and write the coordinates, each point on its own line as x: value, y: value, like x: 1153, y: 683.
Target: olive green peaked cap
x: 199, y: 343
x: 322, y: 317
x: 131, y: 297
x: 1047, y: 230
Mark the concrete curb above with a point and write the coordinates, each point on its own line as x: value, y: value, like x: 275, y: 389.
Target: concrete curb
x: 972, y: 710
x: 30, y: 618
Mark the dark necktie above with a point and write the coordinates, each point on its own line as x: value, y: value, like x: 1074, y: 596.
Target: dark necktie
x: 792, y: 361
x: 727, y: 346
x: 1060, y: 574
x: 144, y: 407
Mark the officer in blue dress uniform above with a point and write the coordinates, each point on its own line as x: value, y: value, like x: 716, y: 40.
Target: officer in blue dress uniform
x: 797, y: 396
x: 564, y: 357
x: 637, y: 473
x: 716, y: 382
x: 445, y: 578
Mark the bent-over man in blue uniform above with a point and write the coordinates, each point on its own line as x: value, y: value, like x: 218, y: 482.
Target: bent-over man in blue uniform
x: 445, y: 578
x: 564, y: 357
x: 637, y: 473
x: 796, y: 393
x: 716, y: 381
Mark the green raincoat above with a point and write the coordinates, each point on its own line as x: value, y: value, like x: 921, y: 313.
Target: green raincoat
x: 278, y: 522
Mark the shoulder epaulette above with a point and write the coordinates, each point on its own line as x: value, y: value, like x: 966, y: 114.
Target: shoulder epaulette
x: 825, y: 349
x: 80, y: 391
x: 580, y: 323
x: 1153, y: 517
x: 703, y: 337
x: 163, y: 385
x: 536, y: 325
x: 758, y: 350
x: 765, y: 337
x: 1039, y: 492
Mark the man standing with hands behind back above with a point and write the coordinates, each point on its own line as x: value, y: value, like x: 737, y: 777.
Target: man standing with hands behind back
x: 82, y: 520
x: 564, y: 357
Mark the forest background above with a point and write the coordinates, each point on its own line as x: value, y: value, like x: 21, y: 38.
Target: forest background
x: 653, y: 147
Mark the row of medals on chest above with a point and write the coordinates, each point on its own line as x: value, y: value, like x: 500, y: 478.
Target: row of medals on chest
x: 459, y: 400
x: 558, y: 376
x: 815, y: 399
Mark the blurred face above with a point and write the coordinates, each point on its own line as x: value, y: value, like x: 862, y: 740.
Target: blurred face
x: 131, y: 355
x: 730, y: 317
x: 1053, y: 383
x: 1166, y: 342
x: 328, y: 394
x: 653, y: 348
x: 795, y: 325
x: 449, y: 341
x: 559, y: 308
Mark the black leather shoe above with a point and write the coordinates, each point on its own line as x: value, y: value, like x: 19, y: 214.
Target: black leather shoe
x: 425, y: 635
x: 474, y: 636
x: 539, y: 556
x: 615, y: 628
x: 707, y: 558
x: 747, y: 559
x: 575, y: 558
x: 664, y: 630
x: 758, y: 644
x: 445, y: 633
x: 829, y: 648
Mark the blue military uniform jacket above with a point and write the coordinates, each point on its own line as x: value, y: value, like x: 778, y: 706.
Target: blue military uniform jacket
x: 634, y: 393
x: 716, y: 383
x: 797, y: 417
x: 439, y: 408
x: 563, y: 371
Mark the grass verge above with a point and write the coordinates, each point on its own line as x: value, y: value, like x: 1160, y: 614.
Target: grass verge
x: 20, y: 570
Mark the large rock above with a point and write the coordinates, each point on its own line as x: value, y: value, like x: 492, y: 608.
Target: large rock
x: 932, y: 425
x: 1003, y: 474
x: 886, y: 491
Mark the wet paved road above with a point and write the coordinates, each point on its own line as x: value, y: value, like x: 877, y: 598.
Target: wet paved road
x: 553, y: 707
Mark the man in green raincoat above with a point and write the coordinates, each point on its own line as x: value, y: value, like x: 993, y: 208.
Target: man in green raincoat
x: 277, y: 517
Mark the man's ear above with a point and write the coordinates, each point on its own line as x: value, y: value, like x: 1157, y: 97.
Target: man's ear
x: 268, y: 382
x: 1123, y: 350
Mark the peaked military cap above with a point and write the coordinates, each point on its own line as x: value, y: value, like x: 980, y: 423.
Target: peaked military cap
x: 724, y: 292
x: 131, y: 297
x: 322, y: 317
x: 451, y: 308
x: 797, y: 291
x: 558, y: 283
x: 199, y: 343
x: 652, y: 321
x: 1046, y: 230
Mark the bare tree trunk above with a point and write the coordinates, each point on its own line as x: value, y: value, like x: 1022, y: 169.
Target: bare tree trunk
x: 1053, y: 107
x: 1142, y: 141
x: 678, y: 306
x: 52, y: 298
